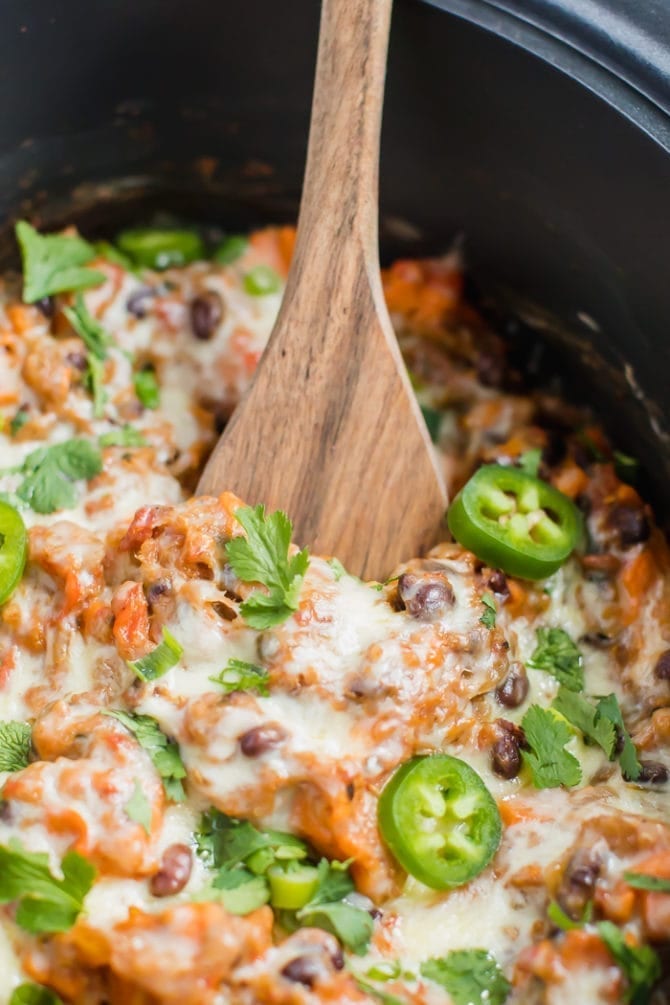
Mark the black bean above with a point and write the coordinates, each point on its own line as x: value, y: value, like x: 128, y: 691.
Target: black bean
x: 599, y: 640
x: 174, y: 872
x: 260, y: 739
x: 490, y: 369
x: 631, y: 523
x: 578, y: 883
x: 514, y: 689
x: 206, y: 313
x: 662, y: 668
x: 77, y: 360
x: 337, y: 959
x: 5, y: 812
x: 138, y: 301
x: 506, y: 756
x: 302, y: 970
x: 653, y: 773
x: 498, y: 583
x: 426, y: 598
x: 46, y: 306
x: 156, y: 590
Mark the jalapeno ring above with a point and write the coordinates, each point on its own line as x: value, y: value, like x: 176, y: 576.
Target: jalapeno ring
x: 13, y: 550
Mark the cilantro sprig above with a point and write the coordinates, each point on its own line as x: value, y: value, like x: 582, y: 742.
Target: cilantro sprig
x: 238, y: 675
x: 488, y: 618
x: 640, y: 964
x: 46, y: 904
x: 471, y: 976
x: 54, y: 263
x: 243, y: 854
x: 51, y: 471
x: 161, y: 659
x: 164, y: 753
x: 602, y: 724
x: 263, y: 557
x: 550, y: 764
x: 628, y: 759
x: 89, y: 330
x: 15, y: 745
x: 558, y: 655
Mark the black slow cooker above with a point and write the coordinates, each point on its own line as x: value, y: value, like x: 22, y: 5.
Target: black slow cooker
x: 537, y: 133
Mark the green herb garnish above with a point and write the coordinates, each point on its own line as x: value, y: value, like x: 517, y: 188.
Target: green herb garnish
x: 549, y: 763
x: 146, y: 388
x: 471, y: 976
x: 558, y: 655
x: 45, y: 904
x: 230, y: 249
x: 488, y: 618
x: 138, y: 808
x: 161, y: 659
x: 126, y: 436
x: 238, y: 675
x: 263, y: 557
x: 529, y: 461
x: 50, y: 471
x: 164, y: 753
x: 261, y: 280
x: 53, y: 263
x: 15, y: 745
x: 641, y: 881
x: 595, y: 726
x: 34, y: 994
x: 640, y: 964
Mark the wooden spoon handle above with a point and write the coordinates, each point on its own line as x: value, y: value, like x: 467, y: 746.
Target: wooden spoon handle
x: 342, y: 170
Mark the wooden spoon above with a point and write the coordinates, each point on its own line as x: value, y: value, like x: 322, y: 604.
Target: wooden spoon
x: 329, y: 430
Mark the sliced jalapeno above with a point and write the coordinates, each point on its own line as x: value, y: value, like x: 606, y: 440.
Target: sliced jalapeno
x: 13, y: 550
x: 515, y: 522
x: 291, y: 889
x: 439, y: 820
x: 159, y: 249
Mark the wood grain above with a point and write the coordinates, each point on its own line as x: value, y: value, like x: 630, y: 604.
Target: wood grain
x: 330, y: 430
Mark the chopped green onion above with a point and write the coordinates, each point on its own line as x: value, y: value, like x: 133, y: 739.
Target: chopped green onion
x: 161, y: 659
x: 261, y: 280
x: 160, y: 249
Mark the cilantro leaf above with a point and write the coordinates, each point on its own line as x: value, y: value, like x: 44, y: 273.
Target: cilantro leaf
x: 471, y: 976
x: 529, y: 461
x: 488, y: 618
x: 53, y: 263
x: 338, y: 568
x: 641, y: 881
x: 138, y: 808
x: 582, y: 714
x: 263, y: 557
x: 88, y: 328
x: 225, y: 842
x: 608, y: 708
x: 146, y: 388
x: 161, y: 659
x: 15, y: 745
x: 549, y: 763
x: 558, y: 655
x: 238, y: 675
x: 126, y: 436
x: 384, y: 997
x: 50, y: 471
x: 163, y: 752
x: 564, y: 922
x: 351, y: 925
x: 34, y: 994
x: 45, y: 904
x: 640, y: 964
x: 240, y: 891
x: 334, y: 882
x: 19, y: 421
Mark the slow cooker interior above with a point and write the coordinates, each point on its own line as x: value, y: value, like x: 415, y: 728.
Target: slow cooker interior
x: 202, y: 109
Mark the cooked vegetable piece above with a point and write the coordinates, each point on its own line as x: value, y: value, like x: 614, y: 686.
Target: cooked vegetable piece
x: 558, y: 655
x: 471, y: 976
x: 54, y: 263
x: 263, y: 557
x: 13, y: 550
x: 515, y: 522
x: 45, y: 904
x: 439, y: 820
x: 550, y: 764
x: 153, y: 248
x: 161, y: 659
x: 16, y: 741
